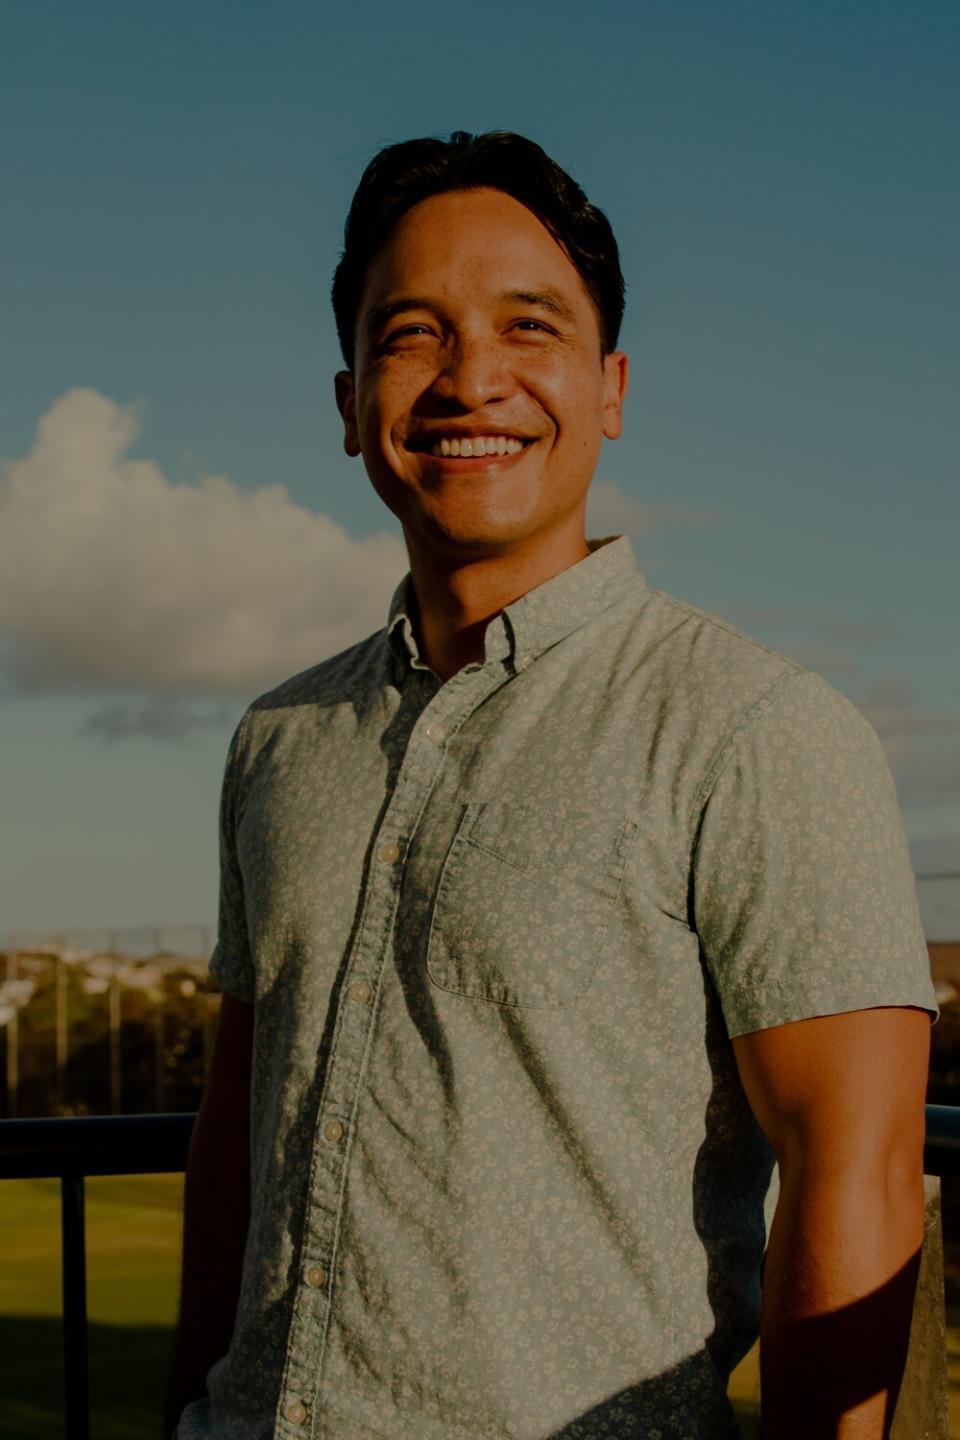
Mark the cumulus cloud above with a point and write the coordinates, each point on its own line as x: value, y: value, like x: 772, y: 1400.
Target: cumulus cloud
x: 611, y: 511
x: 113, y: 578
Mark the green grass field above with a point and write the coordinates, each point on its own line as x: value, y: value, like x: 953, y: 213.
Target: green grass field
x: 133, y: 1253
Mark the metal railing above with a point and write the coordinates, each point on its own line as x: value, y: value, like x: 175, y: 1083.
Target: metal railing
x: 71, y: 1149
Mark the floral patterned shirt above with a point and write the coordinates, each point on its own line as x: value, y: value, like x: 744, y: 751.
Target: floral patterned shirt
x: 499, y: 932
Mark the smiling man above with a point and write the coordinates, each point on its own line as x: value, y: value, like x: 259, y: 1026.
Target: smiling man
x: 553, y: 916
x: 486, y: 462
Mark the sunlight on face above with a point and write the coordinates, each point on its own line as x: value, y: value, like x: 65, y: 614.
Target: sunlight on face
x: 480, y: 396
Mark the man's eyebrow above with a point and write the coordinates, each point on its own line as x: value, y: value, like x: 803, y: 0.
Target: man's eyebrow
x: 548, y: 299
x: 378, y: 315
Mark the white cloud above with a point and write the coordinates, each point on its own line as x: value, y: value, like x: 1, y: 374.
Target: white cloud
x: 611, y: 511
x: 113, y: 578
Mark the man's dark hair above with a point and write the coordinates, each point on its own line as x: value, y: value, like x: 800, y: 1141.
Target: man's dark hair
x: 402, y: 175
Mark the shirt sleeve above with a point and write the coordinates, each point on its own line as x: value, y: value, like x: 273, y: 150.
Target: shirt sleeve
x: 231, y: 964
x: 804, y: 896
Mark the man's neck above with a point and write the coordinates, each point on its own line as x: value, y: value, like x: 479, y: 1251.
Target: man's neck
x: 456, y: 603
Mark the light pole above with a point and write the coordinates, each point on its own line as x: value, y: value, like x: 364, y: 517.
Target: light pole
x: 102, y: 979
x: 14, y: 994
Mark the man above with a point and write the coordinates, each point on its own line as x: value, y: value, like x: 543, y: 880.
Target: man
x: 551, y: 916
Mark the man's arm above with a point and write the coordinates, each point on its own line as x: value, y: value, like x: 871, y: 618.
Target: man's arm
x: 216, y: 1211
x: 841, y: 1100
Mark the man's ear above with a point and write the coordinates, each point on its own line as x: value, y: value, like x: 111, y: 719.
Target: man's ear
x: 616, y: 378
x: 347, y: 405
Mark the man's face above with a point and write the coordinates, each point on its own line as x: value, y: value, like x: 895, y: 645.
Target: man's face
x: 476, y: 331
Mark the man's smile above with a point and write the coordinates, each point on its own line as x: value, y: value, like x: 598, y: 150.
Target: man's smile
x: 477, y: 446
x: 460, y: 440
x: 456, y: 451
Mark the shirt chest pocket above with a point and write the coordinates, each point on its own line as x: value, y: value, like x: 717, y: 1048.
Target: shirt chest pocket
x: 525, y: 901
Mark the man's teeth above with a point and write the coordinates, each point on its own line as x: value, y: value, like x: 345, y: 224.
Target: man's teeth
x: 478, y: 445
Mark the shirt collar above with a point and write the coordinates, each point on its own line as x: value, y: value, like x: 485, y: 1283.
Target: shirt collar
x: 538, y: 619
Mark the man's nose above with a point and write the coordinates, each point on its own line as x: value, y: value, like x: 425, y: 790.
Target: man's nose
x: 473, y: 373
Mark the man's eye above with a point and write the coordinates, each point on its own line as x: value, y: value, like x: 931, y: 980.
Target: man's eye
x: 407, y: 330
x: 534, y: 324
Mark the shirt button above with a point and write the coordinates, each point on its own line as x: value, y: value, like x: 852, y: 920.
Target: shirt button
x: 297, y: 1412
x: 333, y: 1130
x: 361, y: 991
x: 437, y: 732
x: 390, y: 852
x: 316, y: 1276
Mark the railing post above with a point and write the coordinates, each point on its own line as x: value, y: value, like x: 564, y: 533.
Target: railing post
x: 76, y: 1390
x: 922, y: 1411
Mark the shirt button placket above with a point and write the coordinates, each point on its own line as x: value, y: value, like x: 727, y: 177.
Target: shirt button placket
x: 345, y: 1060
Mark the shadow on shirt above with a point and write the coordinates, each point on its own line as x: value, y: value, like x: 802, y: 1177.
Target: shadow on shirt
x: 686, y: 1402
x: 827, y: 1366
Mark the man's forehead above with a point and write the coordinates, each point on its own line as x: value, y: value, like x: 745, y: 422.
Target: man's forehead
x: 439, y: 238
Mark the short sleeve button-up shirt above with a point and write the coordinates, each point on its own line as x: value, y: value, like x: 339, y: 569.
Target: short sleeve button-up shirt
x: 499, y: 932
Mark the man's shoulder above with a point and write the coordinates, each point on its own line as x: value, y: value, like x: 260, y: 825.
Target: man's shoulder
x: 729, y: 684
x: 706, y: 658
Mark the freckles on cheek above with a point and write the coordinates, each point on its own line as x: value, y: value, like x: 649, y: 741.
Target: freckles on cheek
x: 396, y: 388
x: 546, y: 367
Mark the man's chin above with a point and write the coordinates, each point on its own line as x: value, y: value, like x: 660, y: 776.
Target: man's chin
x: 476, y: 539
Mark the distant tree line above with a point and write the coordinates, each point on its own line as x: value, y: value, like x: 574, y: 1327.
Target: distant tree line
x: 112, y: 1036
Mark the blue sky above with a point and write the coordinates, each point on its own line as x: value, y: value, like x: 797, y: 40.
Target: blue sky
x: 179, y: 527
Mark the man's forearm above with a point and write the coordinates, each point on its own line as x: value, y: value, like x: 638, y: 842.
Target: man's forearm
x: 838, y: 1286
x: 216, y: 1219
